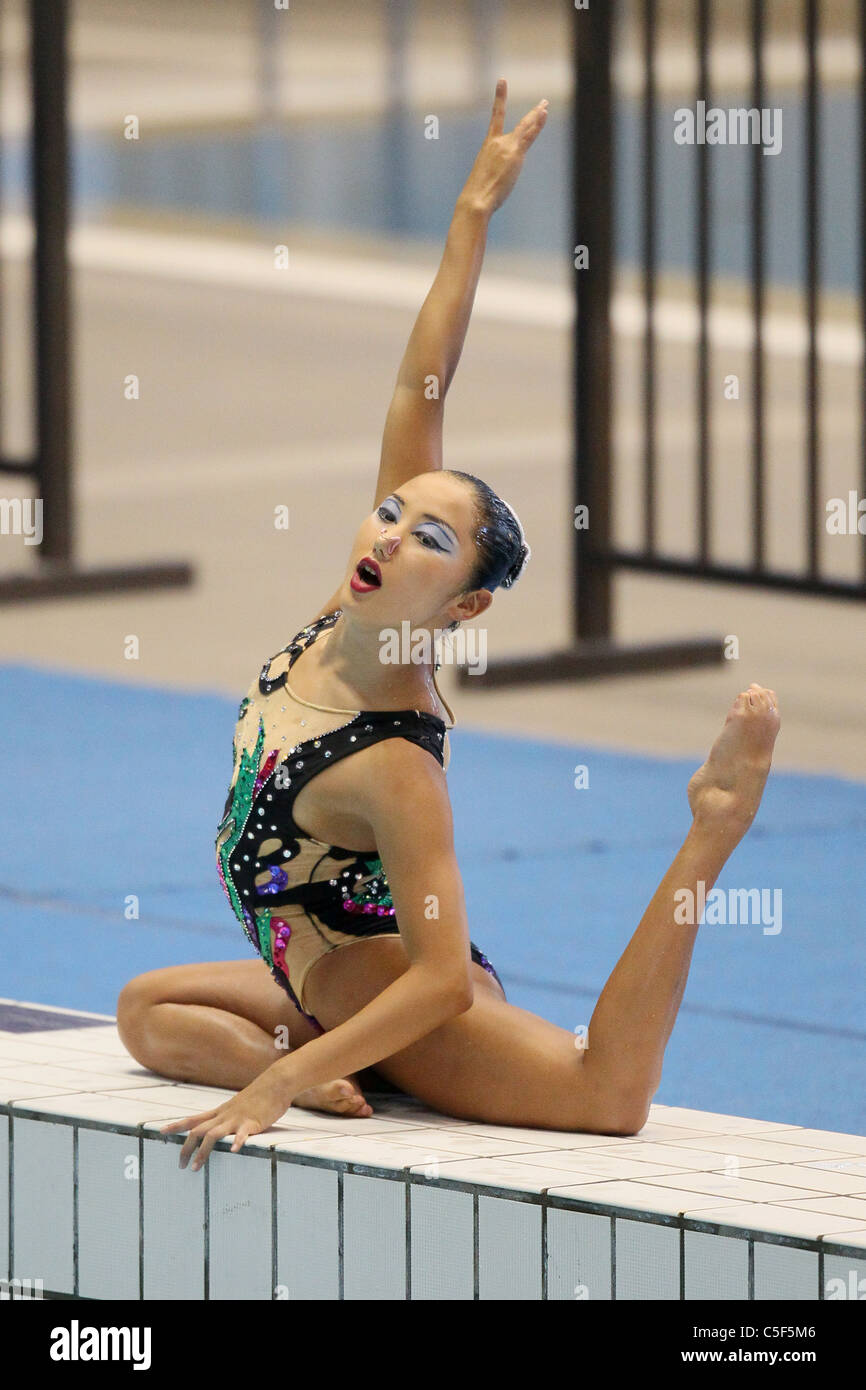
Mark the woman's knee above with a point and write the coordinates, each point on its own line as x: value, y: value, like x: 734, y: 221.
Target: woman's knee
x: 137, y: 996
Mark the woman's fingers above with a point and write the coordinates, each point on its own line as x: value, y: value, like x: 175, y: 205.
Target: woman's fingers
x: 185, y: 1124
x: 497, y: 120
x: 191, y: 1143
x: 531, y: 125
x: 243, y: 1134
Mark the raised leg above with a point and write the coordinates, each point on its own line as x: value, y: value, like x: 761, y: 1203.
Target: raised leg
x: 499, y: 1064
x: 636, y: 1010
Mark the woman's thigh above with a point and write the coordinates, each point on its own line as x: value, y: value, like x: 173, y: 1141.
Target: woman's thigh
x: 242, y: 987
x: 495, y: 1063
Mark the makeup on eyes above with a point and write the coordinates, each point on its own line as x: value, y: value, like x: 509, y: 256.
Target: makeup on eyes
x: 447, y: 531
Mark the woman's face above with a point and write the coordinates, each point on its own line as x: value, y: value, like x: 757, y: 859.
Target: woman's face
x: 425, y: 556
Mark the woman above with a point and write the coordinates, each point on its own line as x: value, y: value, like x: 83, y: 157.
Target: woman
x: 337, y: 826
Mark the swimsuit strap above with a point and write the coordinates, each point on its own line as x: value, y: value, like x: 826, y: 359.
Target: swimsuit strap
x: 330, y: 709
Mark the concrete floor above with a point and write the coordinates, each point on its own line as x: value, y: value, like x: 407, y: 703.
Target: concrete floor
x: 249, y: 400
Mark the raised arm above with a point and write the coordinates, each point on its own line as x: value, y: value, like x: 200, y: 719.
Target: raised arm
x: 412, y: 441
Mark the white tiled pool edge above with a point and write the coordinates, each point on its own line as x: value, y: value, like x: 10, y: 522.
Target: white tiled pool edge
x: 97, y: 1209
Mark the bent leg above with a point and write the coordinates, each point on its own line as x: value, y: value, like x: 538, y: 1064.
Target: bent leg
x: 217, y: 1024
x: 222, y: 1023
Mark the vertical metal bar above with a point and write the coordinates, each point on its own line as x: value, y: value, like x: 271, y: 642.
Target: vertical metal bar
x: 399, y: 16
x: 813, y: 519
x: 1, y: 214
x: 758, y: 293
x: 592, y: 220
x: 649, y: 267
x: 485, y: 24
x: 862, y: 127
x: 49, y: 175
x: 703, y: 265
x: 266, y: 38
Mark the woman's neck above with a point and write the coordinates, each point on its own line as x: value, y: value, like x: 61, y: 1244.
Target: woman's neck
x: 353, y: 656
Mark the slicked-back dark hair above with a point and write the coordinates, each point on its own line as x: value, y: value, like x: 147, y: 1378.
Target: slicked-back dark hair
x: 501, y: 548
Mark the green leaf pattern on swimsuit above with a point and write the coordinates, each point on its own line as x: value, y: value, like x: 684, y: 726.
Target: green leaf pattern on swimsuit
x: 242, y: 800
x: 368, y: 893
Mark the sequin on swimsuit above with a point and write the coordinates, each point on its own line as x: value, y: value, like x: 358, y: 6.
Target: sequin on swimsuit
x: 336, y: 907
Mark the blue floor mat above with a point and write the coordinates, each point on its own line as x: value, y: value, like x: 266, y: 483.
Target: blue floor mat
x: 114, y: 793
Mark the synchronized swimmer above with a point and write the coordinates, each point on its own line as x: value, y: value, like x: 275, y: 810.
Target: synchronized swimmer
x: 337, y: 828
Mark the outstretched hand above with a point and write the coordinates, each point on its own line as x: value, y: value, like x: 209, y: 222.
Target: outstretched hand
x: 251, y: 1111
x: 500, y: 159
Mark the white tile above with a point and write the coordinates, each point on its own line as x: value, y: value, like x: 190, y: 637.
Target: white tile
x: 825, y: 1139
x: 459, y: 1142
x: 5, y: 1123
x: 362, y: 1125
x: 578, y: 1255
x: 68, y: 1078
x: 844, y: 1277
x: 392, y: 1108
x: 18, y: 1049
x: 442, y: 1243
x: 42, y: 1216
x: 98, y: 1064
x: 593, y: 1163
x: 576, y: 1139
x: 698, y: 1160
x: 716, y: 1267
x: 509, y: 1250
x: 281, y: 1134
x: 196, y: 1099
x: 647, y: 1260
x: 81, y: 1039
x: 239, y: 1228
x: 740, y: 1189
x: 710, y: 1121
x: 338, y: 1125
x: 775, y: 1219
x: 109, y: 1188
x: 308, y: 1261
x: 828, y: 1181
x: 374, y: 1238
x: 372, y: 1151
x: 105, y: 1065
x: 496, y: 1172
x: 85, y: 1105
x: 783, y: 1273
x: 656, y: 1132
x: 12, y: 1091
x: 855, y: 1207
x: 751, y: 1149
x: 173, y: 1226
x: 638, y: 1196
x: 853, y: 1235
x: 846, y: 1164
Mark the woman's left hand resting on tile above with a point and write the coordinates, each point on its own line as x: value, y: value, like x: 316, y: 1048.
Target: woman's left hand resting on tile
x: 251, y: 1111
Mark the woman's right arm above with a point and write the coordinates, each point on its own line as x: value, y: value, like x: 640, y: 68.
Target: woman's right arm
x: 407, y: 806
x: 412, y: 439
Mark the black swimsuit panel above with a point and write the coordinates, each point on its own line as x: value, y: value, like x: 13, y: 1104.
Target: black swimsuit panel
x: 318, y: 896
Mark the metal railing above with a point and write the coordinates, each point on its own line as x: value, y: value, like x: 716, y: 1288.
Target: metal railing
x: 50, y: 467
x: 596, y: 556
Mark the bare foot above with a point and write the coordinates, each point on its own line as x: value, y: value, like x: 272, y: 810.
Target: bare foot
x: 726, y: 790
x: 343, y: 1097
